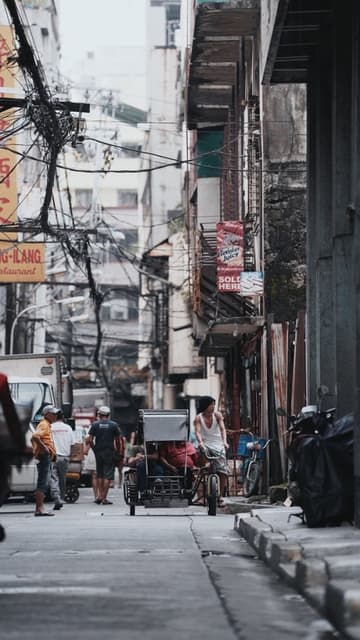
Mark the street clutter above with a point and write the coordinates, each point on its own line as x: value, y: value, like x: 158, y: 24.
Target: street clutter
x: 323, y: 564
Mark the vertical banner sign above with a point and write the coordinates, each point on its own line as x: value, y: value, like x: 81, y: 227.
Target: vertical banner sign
x: 19, y: 261
x: 230, y: 255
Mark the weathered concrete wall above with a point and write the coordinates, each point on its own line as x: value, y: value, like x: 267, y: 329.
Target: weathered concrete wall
x: 284, y: 136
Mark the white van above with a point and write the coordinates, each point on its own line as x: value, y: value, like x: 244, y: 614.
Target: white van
x: 29, y: 396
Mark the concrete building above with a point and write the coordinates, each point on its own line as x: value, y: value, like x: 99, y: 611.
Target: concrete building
x: 40, y: 23
x: 104, y: 194
x: 169, y: 355
x: 249, y: 145
x: 318, y: 45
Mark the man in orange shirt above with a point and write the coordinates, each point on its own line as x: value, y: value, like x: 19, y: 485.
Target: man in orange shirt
x: 44, y: 451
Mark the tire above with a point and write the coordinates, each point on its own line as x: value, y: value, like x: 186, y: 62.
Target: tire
x: 132, y: 497
x: 252, y: 478
x: 212, y: 497
x: 126, y: 490
x: 72, y: 494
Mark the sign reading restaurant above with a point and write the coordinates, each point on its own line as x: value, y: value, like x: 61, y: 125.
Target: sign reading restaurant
x: 24, y: 261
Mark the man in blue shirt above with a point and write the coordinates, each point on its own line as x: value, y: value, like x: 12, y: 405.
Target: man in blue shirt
x: 104, y: 434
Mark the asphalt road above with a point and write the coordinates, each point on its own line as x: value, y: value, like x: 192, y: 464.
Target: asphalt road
x: 93, y: 572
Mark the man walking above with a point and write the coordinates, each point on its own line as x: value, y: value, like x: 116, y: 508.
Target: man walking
x: 44, y: 452
x: 104, y: 434
x: 63, y: 436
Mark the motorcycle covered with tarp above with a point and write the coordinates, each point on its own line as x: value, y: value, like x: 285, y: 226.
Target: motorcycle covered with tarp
x: 322, y: 470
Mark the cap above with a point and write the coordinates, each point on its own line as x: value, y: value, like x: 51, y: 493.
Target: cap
x: 105, y: 411
x: 50, y: 409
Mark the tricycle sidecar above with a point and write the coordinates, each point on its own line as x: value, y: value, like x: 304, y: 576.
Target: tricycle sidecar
x: 148, y: 483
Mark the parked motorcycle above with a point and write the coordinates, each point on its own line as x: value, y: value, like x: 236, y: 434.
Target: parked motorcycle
x: 320, y: 476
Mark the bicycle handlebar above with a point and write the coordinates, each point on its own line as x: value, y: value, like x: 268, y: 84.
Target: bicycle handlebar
x: 205, y: 451
x: 256, y: 446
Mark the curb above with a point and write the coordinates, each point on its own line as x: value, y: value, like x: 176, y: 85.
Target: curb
x: 325, y: 573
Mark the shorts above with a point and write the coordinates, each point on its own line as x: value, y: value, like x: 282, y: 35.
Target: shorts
x: 219, y: 465
x: 105, y: 467
x: 43, y: 470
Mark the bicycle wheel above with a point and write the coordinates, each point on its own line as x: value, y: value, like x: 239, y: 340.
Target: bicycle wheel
x: 211, y: 499
x: 252, y: 478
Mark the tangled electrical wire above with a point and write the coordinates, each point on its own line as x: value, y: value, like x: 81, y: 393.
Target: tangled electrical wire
x: 56, y: 132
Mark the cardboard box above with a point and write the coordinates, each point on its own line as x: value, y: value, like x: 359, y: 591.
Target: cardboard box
x: 77, y: 452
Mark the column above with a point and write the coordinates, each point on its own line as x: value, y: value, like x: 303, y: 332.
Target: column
x: 342, y: 227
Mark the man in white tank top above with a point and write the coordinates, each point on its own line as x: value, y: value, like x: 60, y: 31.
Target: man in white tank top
x: 211, y: 433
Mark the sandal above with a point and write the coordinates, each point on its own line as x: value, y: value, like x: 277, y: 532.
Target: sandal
x: 43, y: 513
x: 106, y: 502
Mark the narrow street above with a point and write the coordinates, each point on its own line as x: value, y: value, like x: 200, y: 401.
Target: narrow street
x: 93, y: 571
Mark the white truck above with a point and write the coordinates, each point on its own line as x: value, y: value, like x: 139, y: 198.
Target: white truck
x: 36, y: 380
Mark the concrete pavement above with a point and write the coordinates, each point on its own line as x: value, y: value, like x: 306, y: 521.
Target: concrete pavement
x: 322, y: 564
x: 93, y: 571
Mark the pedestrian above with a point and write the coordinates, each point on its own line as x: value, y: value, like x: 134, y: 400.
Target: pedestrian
x: 63, y: 436
x: 44, y: 452
x: 104, y: 435
x: 211, y: 433
x: 146, y: 466
x: 12, y: 441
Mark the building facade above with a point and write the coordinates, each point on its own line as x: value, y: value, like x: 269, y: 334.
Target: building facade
x: 319, y: 46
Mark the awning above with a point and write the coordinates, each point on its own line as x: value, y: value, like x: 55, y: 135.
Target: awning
x: 215, y: 55
x: 293, y: 37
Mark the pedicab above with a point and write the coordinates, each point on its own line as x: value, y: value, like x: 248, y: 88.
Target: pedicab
x: 163, y: 489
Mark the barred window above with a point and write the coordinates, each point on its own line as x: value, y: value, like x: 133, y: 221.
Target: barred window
x: 83, y: 198
x: 127, y: 199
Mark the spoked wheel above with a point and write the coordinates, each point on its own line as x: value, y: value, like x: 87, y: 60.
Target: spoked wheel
x: 252, y: 478
x: 211, y: 499
x: 71, y: 494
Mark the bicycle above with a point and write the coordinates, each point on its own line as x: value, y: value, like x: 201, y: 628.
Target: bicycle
x: 253, y: 466
x: 208, y: 477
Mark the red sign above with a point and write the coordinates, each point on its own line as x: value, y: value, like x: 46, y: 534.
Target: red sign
x: 230, y: 255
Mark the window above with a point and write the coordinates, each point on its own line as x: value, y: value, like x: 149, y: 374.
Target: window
x: 115, y: 310
x: 83, y: 198
x: 172, y: 24
x: 127, y: 199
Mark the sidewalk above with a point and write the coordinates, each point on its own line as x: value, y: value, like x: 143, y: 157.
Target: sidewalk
x: 322, y: 564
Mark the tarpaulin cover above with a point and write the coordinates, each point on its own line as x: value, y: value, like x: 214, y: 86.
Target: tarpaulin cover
x: 324, y: 471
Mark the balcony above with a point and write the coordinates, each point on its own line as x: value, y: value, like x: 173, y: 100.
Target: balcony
x: 290, y: 35
x: 218, y: 28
